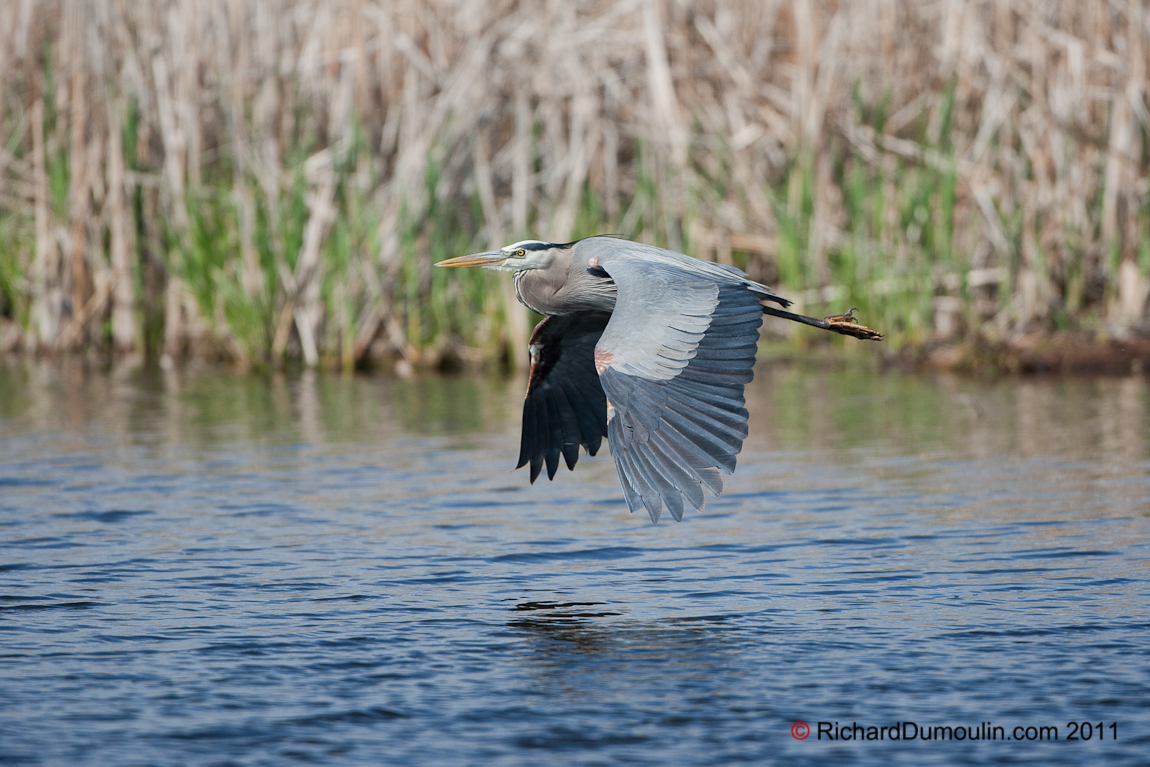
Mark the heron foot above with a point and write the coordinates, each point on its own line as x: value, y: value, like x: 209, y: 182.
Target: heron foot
x: 849, y: 326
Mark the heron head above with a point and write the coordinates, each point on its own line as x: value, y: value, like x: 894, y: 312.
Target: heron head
x: 528, y: 254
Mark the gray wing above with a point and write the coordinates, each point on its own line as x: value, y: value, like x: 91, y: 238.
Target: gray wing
x: 612, y: 249
x: 673, y: 361
x: 565, y: 406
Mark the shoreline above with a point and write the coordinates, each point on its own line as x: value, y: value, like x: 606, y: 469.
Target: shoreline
x: 1032, y: 354
x: 1035, y: 354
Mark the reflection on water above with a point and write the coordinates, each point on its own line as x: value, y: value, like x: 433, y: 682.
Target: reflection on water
x: 1076, y: 418
x: 208, y: 568
x: 213, y: 408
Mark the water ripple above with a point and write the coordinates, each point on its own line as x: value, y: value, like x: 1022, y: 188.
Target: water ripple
x: 207, y: 571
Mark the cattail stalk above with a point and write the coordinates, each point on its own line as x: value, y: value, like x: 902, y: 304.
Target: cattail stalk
x: 957, y: 169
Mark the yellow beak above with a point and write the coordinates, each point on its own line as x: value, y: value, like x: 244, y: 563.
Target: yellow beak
x: 494, y: 258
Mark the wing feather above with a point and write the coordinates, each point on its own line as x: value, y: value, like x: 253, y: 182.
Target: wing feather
x: 679, y: 470
x: 542, y: 440
x: 661, y: 477
x: 527, y: 438
x: 628, y: 480
x: 565, y: 407
x: 707, y: 457
x: 736, y: 331
x: 676, y: 385
x: 702, y: 411
x: 645, y: 484
x: 591, y: 415
x: 555, y: 442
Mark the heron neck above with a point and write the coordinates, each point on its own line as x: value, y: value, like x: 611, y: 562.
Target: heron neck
x: 558, y: 292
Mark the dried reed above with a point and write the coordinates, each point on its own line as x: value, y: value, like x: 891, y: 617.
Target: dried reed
x: 270, y: 179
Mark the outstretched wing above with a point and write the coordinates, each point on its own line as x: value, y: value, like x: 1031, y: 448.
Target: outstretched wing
x: 565, y: 405
x: 673, y: 361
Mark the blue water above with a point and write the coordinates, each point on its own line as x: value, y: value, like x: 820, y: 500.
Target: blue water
x: 207, y: 569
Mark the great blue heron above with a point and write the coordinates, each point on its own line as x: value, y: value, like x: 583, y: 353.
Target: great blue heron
x: 647, y: 347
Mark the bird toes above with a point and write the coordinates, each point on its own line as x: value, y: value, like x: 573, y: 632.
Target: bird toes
x: 848, y: 326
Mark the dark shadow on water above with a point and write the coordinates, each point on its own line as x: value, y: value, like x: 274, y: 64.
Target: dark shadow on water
x: 589, y: 638
x: 569, y: 624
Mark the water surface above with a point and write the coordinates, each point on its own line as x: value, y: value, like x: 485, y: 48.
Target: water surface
x: 207, y: 569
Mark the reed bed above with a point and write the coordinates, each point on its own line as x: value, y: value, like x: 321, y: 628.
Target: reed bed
x: 264, y: 181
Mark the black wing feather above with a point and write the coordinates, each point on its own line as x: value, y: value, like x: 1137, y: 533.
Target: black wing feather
x: 565, y: 405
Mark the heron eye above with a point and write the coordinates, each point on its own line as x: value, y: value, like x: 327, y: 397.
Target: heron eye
x: 521, y: 253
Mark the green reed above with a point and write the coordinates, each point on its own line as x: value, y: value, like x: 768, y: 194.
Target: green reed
x: 893, y: 251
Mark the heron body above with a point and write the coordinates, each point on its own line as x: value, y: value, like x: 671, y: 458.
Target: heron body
x: 646, y: 347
